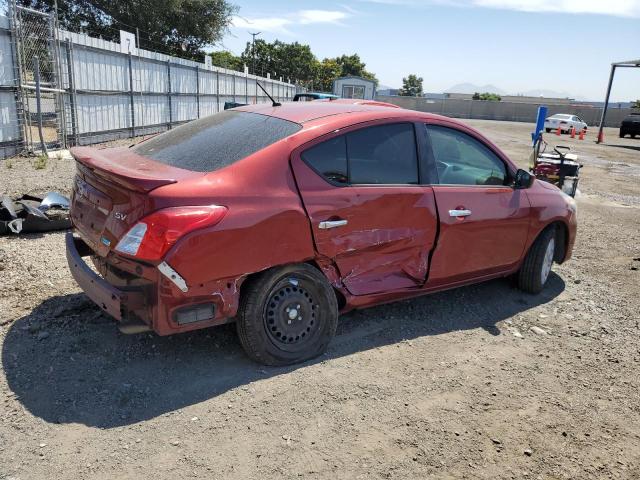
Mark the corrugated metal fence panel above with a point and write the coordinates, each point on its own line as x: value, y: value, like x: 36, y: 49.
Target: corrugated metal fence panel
x: 183, y: 108
x: 103, y: 94
x: 183, y: 79
x: 208, y: 82
x: 9, y: 130
x: 151, y: 110
x: 95, y: 70
x: 149, y: 76
x: 97, y: 113
x: 208, y: 106
x: 6, y: 59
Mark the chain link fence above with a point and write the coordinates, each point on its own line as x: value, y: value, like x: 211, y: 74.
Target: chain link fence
x: 60, y: 88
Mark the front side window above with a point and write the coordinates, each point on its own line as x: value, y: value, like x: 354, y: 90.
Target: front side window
x: 383, y: 154
x: 463, y: 160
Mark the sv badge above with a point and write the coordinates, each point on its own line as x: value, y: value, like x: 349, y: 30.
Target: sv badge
x: 120, y: 215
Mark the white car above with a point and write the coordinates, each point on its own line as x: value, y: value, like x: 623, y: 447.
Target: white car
x: 564, y: 122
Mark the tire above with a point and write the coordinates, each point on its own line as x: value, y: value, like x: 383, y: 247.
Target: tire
x: 536, y: 267
x: 287, y: 315
x: 548, y: 130
x: 622, y: 134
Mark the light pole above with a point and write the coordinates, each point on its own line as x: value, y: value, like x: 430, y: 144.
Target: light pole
x: 253, y: 51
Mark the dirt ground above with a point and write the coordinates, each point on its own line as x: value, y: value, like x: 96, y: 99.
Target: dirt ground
x: 452, y: 385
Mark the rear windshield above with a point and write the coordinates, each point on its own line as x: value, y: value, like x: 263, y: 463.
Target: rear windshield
x: 561, y: 116
x: 217, y: 141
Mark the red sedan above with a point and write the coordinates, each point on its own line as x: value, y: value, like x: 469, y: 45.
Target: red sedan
x: 281, y: 217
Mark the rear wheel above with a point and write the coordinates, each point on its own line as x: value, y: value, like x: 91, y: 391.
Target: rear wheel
x: 287, y: 315
x: 535, y: 270
x: 622, y: 133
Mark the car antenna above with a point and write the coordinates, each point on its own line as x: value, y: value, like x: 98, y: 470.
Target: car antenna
x: 273, y: 102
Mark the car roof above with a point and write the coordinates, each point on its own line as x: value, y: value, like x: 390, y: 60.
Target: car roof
x: 302, y: 112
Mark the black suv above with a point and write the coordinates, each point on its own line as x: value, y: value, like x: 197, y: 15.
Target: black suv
x: 630, y: 125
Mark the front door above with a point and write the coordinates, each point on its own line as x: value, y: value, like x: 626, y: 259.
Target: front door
x: 369, y: 215
x: 483, y: 221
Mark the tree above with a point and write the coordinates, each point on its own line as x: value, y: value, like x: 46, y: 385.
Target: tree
x: 287, y: 60
x: 352, y: 65
x: 325, y: 73
x: 635, y: 104
x: 491, y: 97
x: 411, y: 86
x: 176, y: 27
x: 226, y: 59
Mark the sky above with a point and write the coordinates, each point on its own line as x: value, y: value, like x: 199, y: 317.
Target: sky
x: 516, y: 45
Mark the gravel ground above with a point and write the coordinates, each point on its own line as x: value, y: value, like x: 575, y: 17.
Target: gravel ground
x: 481, y: 382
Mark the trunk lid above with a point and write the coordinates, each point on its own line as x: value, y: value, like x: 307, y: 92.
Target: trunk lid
x: 111, y: 192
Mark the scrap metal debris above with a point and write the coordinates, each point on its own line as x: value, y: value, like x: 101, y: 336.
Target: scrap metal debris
x: 29, y: 214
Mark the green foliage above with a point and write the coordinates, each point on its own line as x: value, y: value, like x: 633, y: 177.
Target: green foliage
x: 296, y: 62
x: 636, y: 104
x: 411, y: 86
x: 226, y: 59
x: 491, y: 97
x: 325, y: 73
x: 287, y: 60
x: 175, y: 27
x: 352, y: 65
x: 40, y: 163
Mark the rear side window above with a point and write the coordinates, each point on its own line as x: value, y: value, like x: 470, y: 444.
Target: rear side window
x: 216, y: 141
x: 329, y: 159
x: 384, y: 154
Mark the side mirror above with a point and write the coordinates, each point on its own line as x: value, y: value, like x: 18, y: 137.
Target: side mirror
x: 523, y: 179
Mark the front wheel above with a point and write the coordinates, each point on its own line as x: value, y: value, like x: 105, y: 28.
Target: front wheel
x: 535, y: 270
x: 287, y: 315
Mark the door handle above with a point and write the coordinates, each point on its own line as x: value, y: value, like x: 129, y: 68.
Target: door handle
x: 459, y: 213
x: 332, y: 224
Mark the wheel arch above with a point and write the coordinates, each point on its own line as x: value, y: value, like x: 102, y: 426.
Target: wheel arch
x: 561, y: 238
x: 255, y: 276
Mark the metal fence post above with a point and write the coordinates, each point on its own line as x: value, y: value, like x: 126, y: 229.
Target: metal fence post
x: 72, y: 92
x: 246, y: 88
x: 217, y: 91
x: 233, y: 79
x: 169, y: 93
x: 36, y: 74
x: 256, y: 85
x: 198, y: 91
x: 131, y: 99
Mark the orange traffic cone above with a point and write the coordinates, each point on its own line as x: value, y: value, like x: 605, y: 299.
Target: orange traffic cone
x: 558, y: 131
x: 582, y: 132
x: 573, y: 132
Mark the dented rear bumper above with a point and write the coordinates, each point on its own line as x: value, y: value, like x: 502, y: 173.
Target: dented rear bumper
x: 138, y: 294
x: 114, y: 301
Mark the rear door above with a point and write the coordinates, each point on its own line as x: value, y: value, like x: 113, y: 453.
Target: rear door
x: 483, y: 221
x: 369, y: 214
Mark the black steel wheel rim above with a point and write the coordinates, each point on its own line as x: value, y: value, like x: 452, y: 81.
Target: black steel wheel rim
x: 291, y: 316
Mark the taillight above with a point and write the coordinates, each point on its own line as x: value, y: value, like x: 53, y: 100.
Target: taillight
x: 153, y: 236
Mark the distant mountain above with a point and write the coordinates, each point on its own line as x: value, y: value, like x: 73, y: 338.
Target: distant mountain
x: 473, y: 88
x: 536, y: 92
x: 542, y: 92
